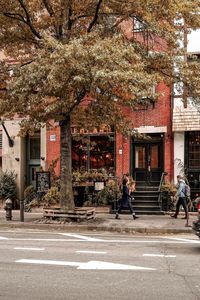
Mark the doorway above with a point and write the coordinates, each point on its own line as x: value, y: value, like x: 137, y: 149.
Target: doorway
x: 147, y: 166
x: 33, y: 158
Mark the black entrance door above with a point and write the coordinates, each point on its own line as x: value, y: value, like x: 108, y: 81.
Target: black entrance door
x: 147, y: 161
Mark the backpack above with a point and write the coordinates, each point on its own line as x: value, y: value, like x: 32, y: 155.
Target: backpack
x: 187, y: 192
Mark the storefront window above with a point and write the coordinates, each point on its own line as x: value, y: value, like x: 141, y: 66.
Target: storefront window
x: 93, y: 152
x: 194, y: 150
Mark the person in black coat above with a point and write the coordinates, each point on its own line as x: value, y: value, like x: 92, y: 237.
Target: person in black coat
x: 125, y: 201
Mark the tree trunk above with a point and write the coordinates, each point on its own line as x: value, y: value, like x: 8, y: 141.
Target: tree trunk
x: 67, y: 198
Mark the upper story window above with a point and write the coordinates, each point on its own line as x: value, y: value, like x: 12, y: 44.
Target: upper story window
x: 138, y: 25
x: 34, y: 146
x: 193, y: 57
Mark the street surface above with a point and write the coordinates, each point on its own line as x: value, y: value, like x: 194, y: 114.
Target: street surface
x: 88, y: 266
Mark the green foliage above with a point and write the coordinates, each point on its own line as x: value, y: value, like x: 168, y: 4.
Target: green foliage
x: 30, y: 198
x: 82, y: 175
x: 29, y: 194
x: 52, y: 197
x: 7, y: 185
x: 55, y: 181
x: 110, y: 193
x: 168, y: 187
x: 69, y: 50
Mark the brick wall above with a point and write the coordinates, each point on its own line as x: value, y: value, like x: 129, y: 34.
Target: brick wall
x: 53, y: 146
x: 157, y: 116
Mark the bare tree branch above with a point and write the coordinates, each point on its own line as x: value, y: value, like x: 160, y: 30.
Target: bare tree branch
x: 28, y: 20
x: 48, y: 7
x: 70, y: 22
x: 95, y: 16
x: 79, y: 97
x: 14, y: 16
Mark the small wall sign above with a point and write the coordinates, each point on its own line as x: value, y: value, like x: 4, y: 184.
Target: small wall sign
x: 53, y: 137
x: 99, y: 185
x: 42, y: 182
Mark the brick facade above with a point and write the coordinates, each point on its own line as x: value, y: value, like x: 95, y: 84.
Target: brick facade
x: 157, y: 116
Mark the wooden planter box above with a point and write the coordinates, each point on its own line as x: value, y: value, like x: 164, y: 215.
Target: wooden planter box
x: 79, y: 213
x: 103, y: 209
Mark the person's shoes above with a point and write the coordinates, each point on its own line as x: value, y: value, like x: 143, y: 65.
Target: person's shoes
x: 117, y: 216
x: 173, y: 216
x: 135, y: 217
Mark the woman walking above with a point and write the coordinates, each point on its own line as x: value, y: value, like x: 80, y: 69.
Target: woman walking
x: 125, y: 202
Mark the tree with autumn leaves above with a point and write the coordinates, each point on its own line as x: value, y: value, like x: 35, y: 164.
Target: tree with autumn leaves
x: 82, y: 62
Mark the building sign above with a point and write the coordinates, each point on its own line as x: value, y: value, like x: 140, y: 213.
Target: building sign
x: 99, y: 185
x: 42, y: 182
x: 52, y: 137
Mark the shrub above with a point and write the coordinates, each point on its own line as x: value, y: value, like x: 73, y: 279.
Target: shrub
x: 30, y: 198
x: 55, y: 180
x: 168, y: 187
x: 108, y: 195
x: 7, y: 185
x: 52, y: 197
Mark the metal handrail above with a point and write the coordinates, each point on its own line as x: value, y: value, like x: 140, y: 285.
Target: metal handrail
x: 159, y: 188
x: 161, y: 180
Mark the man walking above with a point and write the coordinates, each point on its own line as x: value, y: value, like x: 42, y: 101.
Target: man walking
x: 181, y: 196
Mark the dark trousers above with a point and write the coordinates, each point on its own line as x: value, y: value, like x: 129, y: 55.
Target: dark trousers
x: 122, y: 205
x: 181, y: 201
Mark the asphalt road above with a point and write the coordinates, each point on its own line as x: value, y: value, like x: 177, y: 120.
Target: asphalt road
x: 52, y: 265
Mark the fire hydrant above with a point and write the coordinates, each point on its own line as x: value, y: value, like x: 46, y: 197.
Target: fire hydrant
x: 8, y: 209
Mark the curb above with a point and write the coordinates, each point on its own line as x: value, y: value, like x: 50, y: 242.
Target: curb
x: 100, y: 228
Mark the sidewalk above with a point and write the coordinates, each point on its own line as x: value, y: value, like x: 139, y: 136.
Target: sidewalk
x: 146, y: 224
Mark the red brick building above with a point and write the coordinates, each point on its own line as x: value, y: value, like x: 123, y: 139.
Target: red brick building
x: 144, y: 159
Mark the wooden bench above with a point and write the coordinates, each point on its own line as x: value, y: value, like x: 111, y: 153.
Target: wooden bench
x: 79, y: 213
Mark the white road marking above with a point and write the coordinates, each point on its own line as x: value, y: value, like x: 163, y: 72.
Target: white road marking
x: 92, y: 252
x: 90, y: 265
x: 3, y: 238
x: 82, y: 237
x: 27, y: 248
x: 159, y: 255
x: 182, y: 240
x: 174, y: 241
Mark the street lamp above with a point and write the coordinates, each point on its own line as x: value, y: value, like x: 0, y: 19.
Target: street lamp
x: 10, y: 141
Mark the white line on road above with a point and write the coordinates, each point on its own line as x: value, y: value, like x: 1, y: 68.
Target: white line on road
x: 27, y: 248
x: 82, y: 237
x: 92, y: 252
x: 182, y: 240
x: 3, y: 238
x: 174, y: 241
x: 159, y: 255
x: 90, y: 265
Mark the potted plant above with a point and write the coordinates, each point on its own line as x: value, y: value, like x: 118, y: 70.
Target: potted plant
x: 108, y: 195
x: 168, y: 191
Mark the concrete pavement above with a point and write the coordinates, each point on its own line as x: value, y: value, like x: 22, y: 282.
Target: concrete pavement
x: 146, y: 224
